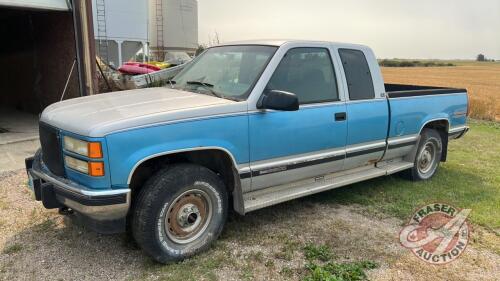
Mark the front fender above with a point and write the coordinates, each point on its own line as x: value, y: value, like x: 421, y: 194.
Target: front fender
x: 130, y: 148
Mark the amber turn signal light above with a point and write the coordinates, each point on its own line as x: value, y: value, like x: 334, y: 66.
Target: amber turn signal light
x: 94, y: 150
x: 96, y: 169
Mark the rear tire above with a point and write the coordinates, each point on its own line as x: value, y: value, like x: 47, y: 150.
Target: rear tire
x: 430, y: 149
x: 179, y: 212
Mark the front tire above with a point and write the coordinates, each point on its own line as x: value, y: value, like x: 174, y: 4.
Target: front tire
x: 179, y: 212
x: 428, y: 156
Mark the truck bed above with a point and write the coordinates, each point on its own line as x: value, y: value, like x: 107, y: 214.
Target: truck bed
x: 402, y: 90
x: 412, y: 106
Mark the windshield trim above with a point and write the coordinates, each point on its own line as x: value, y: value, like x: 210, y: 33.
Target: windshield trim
x: 246, y: 94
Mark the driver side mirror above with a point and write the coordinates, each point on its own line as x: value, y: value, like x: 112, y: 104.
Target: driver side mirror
x: 278, y: 100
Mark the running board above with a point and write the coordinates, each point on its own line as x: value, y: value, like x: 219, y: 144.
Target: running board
x: 277, y: 194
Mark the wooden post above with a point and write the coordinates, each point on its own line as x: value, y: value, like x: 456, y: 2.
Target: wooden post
x: 85, y: 46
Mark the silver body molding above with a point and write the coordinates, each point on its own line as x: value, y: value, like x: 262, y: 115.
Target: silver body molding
x: 282, y: 170
x: 458, y: 129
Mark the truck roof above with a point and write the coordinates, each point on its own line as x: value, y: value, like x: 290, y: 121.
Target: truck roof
x: 279, y: 42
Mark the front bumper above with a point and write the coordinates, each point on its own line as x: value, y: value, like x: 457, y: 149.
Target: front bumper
x: 101, y: 210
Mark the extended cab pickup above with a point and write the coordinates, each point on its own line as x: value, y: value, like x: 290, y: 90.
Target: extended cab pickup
x: 252, y: 123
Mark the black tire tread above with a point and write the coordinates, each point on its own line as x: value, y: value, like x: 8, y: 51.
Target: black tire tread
x: 143, y: 215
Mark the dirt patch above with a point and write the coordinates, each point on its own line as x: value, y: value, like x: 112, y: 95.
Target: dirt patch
x: 264, y: 245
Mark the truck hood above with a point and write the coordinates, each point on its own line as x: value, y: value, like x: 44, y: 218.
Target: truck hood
x: 99, y: 115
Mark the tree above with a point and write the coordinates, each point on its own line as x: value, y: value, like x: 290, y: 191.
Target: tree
x: 481, y: 57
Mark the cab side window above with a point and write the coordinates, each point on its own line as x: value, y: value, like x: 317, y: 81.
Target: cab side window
x: 358, y: 76
x: 308, y: 73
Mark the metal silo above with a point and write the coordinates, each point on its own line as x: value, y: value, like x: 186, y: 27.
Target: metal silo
x: 173, y: 26
x: 120, y: 29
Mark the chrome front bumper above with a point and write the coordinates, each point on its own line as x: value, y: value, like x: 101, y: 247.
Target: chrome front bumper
x: 96, y: 205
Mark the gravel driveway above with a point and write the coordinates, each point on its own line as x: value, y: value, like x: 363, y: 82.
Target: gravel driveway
x: 39, y: 244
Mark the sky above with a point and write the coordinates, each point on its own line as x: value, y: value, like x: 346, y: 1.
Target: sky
x: 433, y: 29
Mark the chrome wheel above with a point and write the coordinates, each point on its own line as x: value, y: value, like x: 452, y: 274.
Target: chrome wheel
x: 427, y: 158
x: 188, y: 216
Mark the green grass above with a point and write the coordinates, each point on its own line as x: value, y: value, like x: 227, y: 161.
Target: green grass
x: 469, y: 179
x: 12, y: 249
x: 332, y: 271
x: 314, y: 252
x: 329, y: 270
x: 288, y: 249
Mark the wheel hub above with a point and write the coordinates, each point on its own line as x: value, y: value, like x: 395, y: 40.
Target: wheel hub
x: 188, y: 216
x: 426, y: 158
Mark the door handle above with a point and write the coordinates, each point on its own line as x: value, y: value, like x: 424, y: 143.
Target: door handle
x: 340, y: 116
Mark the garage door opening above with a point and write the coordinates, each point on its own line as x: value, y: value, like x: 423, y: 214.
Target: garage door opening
x: 44, y: 58
x: 36, y: 57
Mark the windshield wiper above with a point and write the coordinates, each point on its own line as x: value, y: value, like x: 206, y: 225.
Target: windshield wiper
x: 207, y: 86
x: 172, y: 83
x: 193, y: 82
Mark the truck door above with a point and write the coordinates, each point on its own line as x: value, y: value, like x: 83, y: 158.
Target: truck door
x: 367, y: 115
x: 286, y: 146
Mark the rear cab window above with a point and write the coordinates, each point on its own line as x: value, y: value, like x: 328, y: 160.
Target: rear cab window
x: 358, y: 76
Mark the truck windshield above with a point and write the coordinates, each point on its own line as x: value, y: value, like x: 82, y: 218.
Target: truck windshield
x: 228, y: 71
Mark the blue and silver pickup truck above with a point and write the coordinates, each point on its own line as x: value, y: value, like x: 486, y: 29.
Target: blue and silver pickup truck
x: 244, y: 126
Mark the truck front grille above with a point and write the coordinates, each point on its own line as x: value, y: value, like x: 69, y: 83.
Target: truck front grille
x: 51, y: 149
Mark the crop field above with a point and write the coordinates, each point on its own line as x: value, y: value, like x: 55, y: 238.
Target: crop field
x: 481, y: 79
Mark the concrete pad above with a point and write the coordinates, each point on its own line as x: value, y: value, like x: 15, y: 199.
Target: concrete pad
x: 18, y: 126
x: 12, y: 155
x: 18, y: 138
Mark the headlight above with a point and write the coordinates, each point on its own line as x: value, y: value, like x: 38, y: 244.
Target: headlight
x: 89, y: 149
x: 95, y: 169
x: 77, y: 164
